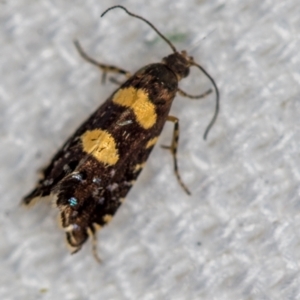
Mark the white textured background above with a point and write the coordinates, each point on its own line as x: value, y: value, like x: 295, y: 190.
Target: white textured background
x: 238, y: 235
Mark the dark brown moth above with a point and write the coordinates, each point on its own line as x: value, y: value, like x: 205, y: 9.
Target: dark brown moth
x: 92, y: 173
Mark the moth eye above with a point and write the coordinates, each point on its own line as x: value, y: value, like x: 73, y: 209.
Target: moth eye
x: 73, y: 201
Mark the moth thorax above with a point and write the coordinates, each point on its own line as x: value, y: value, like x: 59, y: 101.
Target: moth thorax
x: 179, y: 63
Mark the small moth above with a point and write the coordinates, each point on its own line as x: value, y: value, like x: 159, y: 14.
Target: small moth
x: 92, y: 173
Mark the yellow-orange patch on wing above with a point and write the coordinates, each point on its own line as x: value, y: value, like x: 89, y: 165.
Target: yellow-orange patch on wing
x: 138, y: 101
x: 101, y: 145
x: 151, y: 142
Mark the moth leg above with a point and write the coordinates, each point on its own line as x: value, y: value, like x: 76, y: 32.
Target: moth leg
x: 173, y: 149
x: 115, y: 81
x: 92, y: 232
x: 184, y: 94
x: 103, y: 67
x: 213, y: 120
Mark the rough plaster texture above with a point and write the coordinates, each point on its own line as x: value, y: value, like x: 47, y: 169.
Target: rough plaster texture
x: 237, y: 236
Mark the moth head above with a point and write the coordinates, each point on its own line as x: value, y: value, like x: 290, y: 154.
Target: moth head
x: 179, y: 63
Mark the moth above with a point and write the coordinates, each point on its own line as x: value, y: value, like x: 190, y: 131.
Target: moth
x: 90, y: 176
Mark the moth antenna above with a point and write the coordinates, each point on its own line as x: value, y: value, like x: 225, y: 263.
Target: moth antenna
x: 174, y: 50
x: 146, y: 21
x: 214, y: 118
